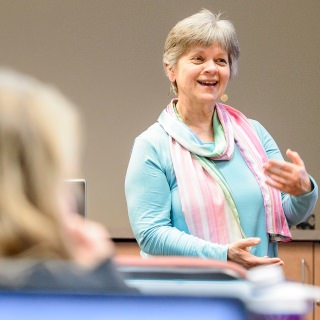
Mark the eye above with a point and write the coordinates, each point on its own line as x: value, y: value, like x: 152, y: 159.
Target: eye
x: 222, y: 61
x: 197, y: 59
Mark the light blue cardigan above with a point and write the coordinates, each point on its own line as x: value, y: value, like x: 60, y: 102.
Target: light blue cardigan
x: 154, y: 204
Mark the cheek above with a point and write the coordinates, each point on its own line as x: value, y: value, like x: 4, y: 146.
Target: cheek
x: 188, y: 75
x: 226, y: 76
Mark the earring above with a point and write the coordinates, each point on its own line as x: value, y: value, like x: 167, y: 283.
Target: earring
x: 224, y: 97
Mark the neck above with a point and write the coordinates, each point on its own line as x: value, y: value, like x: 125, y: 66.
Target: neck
x: 199, y: 119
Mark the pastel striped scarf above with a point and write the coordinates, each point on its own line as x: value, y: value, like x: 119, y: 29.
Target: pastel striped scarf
x: 206, y: 198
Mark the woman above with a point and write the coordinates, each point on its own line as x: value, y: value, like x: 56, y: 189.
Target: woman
x: 44, y: 244
x: 204, y: 180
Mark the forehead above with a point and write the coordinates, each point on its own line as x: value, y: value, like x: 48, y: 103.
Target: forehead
x: 213, y: 49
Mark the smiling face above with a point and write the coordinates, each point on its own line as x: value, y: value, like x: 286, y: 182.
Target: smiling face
x: 201, y: 74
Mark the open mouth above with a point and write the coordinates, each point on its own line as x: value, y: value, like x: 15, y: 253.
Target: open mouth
x: 208, y: 83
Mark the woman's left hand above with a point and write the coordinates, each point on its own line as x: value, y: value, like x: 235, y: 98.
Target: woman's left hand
x: 291, y: 178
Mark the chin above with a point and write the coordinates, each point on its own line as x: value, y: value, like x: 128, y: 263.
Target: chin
x: 209, y: 100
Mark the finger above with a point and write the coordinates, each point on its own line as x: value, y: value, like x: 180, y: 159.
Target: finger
x: 294, y: 156
x: 249, y: 242
x: 274, y: 170
x: 279, y: 174
x: 275, y: 184
x: 277, y: 167
x: 269, y: 261
x: 275, y: 261
x: 277, y: 178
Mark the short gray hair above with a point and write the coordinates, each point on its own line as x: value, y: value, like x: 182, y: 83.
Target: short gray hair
x: 203, y: 28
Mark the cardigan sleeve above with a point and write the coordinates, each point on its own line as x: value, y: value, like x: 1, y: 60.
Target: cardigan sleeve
x: 149, y: 201
x: 296, y: 208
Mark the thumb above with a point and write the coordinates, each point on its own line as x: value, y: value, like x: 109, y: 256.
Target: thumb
x: 295, y: 158
x: 249, y: 242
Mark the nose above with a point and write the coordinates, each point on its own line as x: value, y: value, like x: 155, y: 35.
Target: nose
x: 210, y: 67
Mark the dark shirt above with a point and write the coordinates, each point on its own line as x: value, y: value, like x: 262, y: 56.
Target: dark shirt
x: 61, y: 276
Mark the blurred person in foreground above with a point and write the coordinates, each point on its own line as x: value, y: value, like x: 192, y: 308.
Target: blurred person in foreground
x: 44, y: 244
x: 205, y: 180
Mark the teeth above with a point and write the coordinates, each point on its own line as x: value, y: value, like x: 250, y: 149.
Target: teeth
x: 207, y: 83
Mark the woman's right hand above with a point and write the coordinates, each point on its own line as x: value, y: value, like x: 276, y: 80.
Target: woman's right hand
x: 239, y: 252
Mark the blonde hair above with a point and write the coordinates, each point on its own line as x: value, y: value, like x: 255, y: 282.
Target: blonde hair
x: 203, y: 28
x: 38, y: 149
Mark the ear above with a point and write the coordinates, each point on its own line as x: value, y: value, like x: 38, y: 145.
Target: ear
x: 170, y: 73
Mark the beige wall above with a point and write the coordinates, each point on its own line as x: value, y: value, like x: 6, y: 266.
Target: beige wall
x: 106, y: 56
